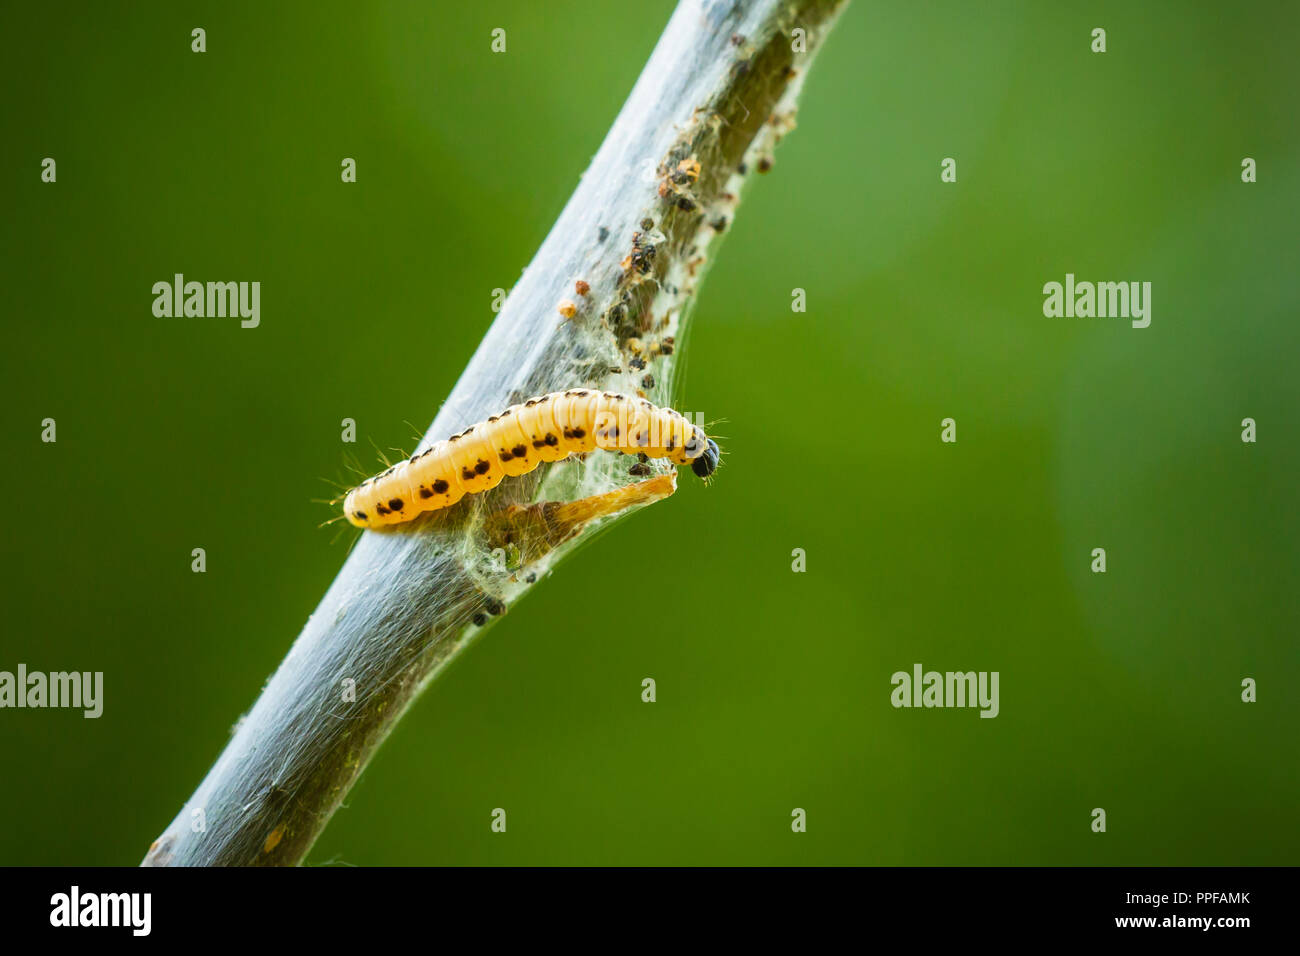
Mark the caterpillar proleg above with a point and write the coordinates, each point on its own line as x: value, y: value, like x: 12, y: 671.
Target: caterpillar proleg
x: 549, y: 428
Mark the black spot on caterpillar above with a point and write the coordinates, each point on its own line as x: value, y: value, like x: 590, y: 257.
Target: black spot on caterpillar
x: 549, y: 428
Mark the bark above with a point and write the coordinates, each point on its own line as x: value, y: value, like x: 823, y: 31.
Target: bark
x: 717, y: 94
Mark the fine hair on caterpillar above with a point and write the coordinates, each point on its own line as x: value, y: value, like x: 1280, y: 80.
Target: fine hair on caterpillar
x: 544, y: 429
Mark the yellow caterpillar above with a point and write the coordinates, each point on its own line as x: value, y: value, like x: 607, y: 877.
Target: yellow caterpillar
x: 515, y: 442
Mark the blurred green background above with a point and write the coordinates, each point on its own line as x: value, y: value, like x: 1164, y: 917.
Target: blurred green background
x: 1119, y: 691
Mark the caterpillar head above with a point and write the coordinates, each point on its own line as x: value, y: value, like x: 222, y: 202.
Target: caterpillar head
x: 707, y: 463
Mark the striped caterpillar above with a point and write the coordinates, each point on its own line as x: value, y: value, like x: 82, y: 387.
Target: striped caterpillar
x: 549, y: 428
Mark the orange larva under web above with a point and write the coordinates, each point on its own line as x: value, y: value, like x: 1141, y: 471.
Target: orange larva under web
x: 515, y: 442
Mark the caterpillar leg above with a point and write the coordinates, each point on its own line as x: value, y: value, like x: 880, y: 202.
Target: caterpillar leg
x: 542, y: 527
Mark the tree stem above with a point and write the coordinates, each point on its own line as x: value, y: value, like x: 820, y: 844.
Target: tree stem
x: 718, y: 92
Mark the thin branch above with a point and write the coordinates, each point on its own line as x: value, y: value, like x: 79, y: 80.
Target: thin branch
x: 717, y: 94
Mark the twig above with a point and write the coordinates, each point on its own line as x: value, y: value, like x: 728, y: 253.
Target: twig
x: 717, y: 94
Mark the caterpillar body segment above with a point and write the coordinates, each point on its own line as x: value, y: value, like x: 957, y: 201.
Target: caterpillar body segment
x: 548, y: 428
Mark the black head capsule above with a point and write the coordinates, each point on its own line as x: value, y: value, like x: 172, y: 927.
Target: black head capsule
x: 707, y: 463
